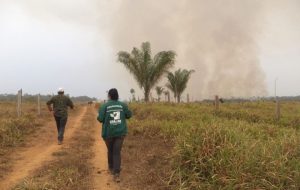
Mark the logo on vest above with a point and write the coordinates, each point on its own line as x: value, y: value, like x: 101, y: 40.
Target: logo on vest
x: 116, y: 118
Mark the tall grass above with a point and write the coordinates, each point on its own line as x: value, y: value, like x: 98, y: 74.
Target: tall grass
x: 240, y: 147
x: 13, y: 129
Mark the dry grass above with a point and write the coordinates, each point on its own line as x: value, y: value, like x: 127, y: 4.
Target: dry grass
x: 14, y: 131
x: 240, y: 147
x: 146, y: 160
x: 71, y: 169
x: 190, y: 146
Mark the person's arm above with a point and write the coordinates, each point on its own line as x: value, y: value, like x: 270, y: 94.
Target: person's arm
x: 70, y: 103
x: 101, y: 114
x: 49, y: 103
x: 128, y: 113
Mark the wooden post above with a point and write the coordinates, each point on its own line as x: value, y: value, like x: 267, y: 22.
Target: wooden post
x: 188, y: 98
x: 217, y: 107
x: 19, y: 103
x: 277, y: 109
x: 39, y: 104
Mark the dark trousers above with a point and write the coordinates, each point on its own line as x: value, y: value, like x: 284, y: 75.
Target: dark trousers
x: 61, y: 124
x: 114, y: 147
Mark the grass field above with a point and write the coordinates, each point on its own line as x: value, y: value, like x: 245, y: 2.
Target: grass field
x: 12, y: 128
x: 174, y: 146
x: 240, y: 147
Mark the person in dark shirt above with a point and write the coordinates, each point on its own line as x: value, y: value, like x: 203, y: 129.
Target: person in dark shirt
x: 59, y: 109
x: 113, y: 115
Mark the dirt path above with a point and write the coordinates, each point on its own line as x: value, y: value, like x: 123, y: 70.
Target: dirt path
x: 38, y: 151
x: 102, y: 180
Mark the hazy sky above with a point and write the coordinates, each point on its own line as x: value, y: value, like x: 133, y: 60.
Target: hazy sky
x: 46, y: 44
x: 280, y: 47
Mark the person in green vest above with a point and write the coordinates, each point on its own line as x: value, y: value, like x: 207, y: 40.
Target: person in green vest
x: 113, y: 115
x: 59, y: 109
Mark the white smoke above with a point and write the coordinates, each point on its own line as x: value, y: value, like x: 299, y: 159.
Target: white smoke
x: 218, y: 39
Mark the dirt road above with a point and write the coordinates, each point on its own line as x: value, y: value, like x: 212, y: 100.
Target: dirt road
x: 38, y: 151
x: 102, y: 180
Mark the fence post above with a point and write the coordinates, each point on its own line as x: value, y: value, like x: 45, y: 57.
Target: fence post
x: 19, y: 103
x: 277, y: 109
x: 188, y: 98
x: 217, y: 106
x: 39, y: 104
x: 169, y: 99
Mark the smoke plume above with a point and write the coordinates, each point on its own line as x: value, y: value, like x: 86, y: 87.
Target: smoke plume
x: 218, y: 39
x: 215, y: 38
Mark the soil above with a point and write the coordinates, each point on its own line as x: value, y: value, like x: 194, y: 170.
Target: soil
x: 102, y: 179
x: 146, y: 161
x: 145, y: 157
x: 40, y: 150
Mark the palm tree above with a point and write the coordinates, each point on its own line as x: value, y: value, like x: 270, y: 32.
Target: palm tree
x: 132, y: 91
x: 177, y: 82
x: 146, y: 70
x: 167, y: 95
x: 159, y: 91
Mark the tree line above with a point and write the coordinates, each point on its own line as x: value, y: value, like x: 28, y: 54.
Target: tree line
x: 33, y: 98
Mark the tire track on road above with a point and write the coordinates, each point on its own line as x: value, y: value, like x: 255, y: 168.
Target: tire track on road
x: 40, y: 151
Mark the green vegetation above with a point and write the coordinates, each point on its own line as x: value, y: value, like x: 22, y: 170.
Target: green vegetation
x: 44, y: 98
x: 146, y: 70
x: 132, y: 92
x: 180, y: 146
x: 177, y: 82
x: 159, y: 90
x: 239, y: 147
x: 167, y: 95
